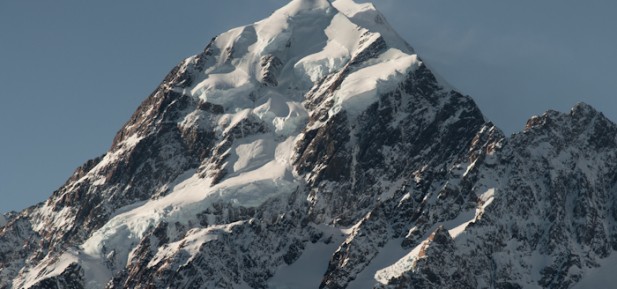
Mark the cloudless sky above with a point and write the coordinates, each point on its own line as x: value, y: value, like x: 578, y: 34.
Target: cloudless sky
x: 73, y: 71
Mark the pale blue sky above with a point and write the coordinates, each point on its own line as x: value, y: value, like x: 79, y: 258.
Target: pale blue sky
x: 73, y: 71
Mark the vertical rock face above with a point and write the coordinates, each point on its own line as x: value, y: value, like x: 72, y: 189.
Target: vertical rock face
x: 314, y: 149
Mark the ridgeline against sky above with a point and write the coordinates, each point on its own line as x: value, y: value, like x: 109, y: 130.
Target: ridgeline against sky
x: 72, y: 72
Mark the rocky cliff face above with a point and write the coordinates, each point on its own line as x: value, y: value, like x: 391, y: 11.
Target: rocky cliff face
x: 314, y: 149
x: 544, y: 215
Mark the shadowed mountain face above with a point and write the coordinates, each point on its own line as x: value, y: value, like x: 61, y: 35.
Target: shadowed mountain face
x: 315, y: 149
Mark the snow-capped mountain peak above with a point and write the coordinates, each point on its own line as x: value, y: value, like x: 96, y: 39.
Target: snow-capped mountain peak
x: 296, y: 7
x: 317, y: 140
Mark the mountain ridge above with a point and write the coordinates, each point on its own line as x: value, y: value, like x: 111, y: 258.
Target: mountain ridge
x: 277, y: 141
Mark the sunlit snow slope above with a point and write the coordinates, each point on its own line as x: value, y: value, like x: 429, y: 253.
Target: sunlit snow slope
x: 256, y: 75
x: 315, y: 149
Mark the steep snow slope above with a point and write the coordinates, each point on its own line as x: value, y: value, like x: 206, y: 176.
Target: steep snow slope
x: 314, y: 149
x: 251, y: 93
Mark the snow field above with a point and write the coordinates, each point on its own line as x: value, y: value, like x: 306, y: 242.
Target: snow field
x: 259, y: 165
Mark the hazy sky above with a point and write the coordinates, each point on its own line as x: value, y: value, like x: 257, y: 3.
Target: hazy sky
x: 73, y: 71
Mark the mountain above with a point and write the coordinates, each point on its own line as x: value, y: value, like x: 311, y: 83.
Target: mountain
x: 315, y: 149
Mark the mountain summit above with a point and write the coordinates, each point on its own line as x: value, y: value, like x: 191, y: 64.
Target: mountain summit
x: 315, y: 149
